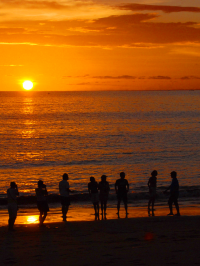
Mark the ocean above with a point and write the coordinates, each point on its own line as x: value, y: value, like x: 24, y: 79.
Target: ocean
x: 46, y: 134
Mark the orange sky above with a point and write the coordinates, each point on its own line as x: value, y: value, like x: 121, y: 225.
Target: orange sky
x: 100, y: 45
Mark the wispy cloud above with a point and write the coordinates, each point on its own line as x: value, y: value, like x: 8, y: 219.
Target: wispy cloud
x: 114, y: 22
x: 84, y: 83
x: 129, y: 77
x: 66, y: 77
x: 38, y: 4
x: 115, y: 77
x: 114, y: 31
x: 137, y: 30
x: 12, y: 30
x: 166, y: 9
x: 192, y: 49
x: 159, y: 77
x: 189, y: 77
x: 54, y: 10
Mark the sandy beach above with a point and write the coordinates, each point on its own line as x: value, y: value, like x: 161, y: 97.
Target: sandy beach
x: 158, y: 240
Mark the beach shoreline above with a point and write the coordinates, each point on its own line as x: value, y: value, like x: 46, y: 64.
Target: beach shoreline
x: 84, y: 212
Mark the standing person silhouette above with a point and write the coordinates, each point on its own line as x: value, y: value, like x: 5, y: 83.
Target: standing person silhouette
x: 64, y: 193
x: 152, y: 189
x: 122, y: 188
x: 41, y: 196
x: 93, y: 192
x: 174, y: 193
x: 12, y: 194
x: 104, y: 189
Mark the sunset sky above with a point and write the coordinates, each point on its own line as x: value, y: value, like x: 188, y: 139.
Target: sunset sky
x: 100, y: 45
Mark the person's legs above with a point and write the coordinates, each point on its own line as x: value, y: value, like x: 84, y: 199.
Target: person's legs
x: 64, y: 211
x: 118, y: 206
x: 65, y: 201
x: 170, y: 202
x: 41, y: 218
x: 11, y: 222
x: 149, y: 203
x: 126, y: 207
x: 94, y: 204
x: 125, y: 203
x: 97, y: 208
x: 176, y: 205
x: 102, y: 207
x: 105, y: 207
x: 12, y: 211
x: 44, y: 217
x: 118, y: 203
x: 67, y: 208
x: 153, y: 202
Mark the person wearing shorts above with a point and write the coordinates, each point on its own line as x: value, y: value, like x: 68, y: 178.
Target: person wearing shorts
x: 93, y: 192
x: 122, y: 188
x: 12, y: 194
x: 41, y: 196
x: 174, y: 194
x: 104, y: 189
x: 152, y: 183
x: 64, y: 193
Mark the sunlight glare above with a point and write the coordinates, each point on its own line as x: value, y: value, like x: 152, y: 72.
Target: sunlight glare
x: 27, y: 85
x: 32, y: 219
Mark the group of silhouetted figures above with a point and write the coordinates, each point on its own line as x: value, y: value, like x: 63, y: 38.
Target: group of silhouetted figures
x: 97, y: 191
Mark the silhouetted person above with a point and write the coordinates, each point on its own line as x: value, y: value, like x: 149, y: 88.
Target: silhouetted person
x: 12, y: 194
x: 174, y: 193
x: 152, y: 189
x: 122, y: 187
x: 104, y: 189
x: 64, y: 193
x: 41, y: 196
x: 93, y: 192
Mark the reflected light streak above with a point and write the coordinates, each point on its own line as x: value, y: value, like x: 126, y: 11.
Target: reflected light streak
x: 29, y: 131
x: 28, y: 106
x: 32, y: 219
x: 27, y: 134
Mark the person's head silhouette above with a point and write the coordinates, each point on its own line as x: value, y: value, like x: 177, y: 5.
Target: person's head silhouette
x: 103, y: 178
x: 122, y: 175
x: 13, y: 185
x: 65, y: 176
x: 154, y: 173
x: 92, y: 179
x: 173, y: 174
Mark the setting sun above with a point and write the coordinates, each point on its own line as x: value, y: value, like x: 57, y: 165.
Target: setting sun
x: 27, y: 85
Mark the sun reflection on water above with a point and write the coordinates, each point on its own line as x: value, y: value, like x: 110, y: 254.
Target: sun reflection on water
x: 28, y: 106
x: 28, y: 130
x: 32, y: 219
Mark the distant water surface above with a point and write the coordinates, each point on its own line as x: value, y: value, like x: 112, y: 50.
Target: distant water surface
x: 44, y: 134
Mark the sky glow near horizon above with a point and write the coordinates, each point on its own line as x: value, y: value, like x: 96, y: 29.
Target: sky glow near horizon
x: 100, y: 45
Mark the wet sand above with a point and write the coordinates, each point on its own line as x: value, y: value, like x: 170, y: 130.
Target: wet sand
x: 78, y: 213
x: 154, y: 240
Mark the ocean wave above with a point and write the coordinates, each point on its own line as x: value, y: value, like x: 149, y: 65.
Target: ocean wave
x: 22, y: 165
x: 184, y: 193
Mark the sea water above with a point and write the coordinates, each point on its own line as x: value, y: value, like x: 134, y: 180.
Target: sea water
x: 46, y: 134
